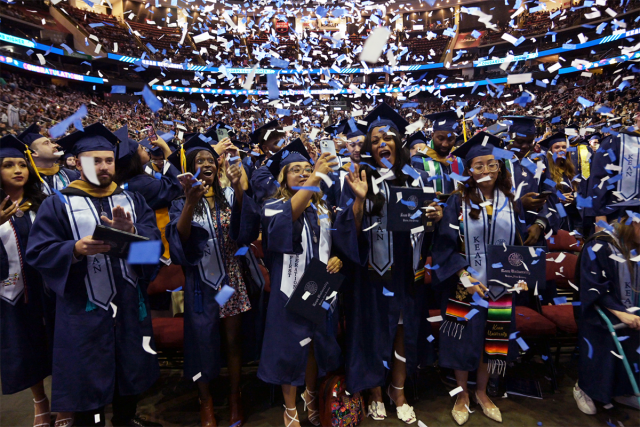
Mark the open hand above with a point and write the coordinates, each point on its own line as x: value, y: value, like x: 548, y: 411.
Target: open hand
x: 121, y: 220
x: 358, y: 182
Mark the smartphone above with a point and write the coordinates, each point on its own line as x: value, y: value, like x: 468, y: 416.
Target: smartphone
x: 222, y: 133
x: 151, y: 133
x: 185, y: 178
x: 328, y: 146
x: 544, y: 195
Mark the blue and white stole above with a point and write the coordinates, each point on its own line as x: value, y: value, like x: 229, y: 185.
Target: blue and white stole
x: 381, y: 240
x: 628, y: 296
x: 13, y: 286
x: 100, y: 280
x: 294, y: 265
x: 629, y: 184
x: 60, y: 181
x: 149, y: 170
x: 480, y: 233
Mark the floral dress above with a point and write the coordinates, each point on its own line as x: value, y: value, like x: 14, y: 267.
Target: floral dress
x: 239, y: 301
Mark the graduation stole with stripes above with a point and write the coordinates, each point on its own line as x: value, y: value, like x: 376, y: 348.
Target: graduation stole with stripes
x: 496, y: 342
x: 433, y: 165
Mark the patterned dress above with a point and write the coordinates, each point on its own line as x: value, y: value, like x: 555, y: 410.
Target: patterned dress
x: 239, y: 301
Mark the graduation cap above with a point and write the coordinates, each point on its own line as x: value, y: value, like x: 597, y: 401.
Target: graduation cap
x: 361, y: 130
x: 241, y: 144
x: 11, y: 146
x: 293, y: 152
x: 257, y: 136
x: 30, y: 134
x: 556, y: 137
x: 193, y: 144
x: 595, y: 135
x: 384, y: 115
x: 481, y: 144
x: 631, y: 207
x: 524, y: 126
x: 127, y: 147
x: 95, y: 137
x: 444, y: 120
x: 417, y: 138
x: 336, y: 128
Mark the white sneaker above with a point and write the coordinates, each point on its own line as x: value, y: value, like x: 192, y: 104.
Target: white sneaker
x: 631, y: 401
x: 585, y: 404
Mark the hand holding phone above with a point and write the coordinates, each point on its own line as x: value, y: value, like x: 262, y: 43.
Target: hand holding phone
x: 151, y: 133
x: 328, y: 146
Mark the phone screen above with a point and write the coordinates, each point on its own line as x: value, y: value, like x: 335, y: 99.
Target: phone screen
x: 222, y: 133
x: 328, y: 146
x: 151, y: 133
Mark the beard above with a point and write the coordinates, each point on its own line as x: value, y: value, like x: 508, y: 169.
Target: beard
x: 105, y: 180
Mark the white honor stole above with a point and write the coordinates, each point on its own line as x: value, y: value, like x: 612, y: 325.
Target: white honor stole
x: 627, y: 295
x: 479, y: 233
x: 629, y: 184
x: 381, y: 240
x: 293, y: 266
x: 211, y: 266
x: 13, y: 286
x: 60, y: 181
x: 84, y: 218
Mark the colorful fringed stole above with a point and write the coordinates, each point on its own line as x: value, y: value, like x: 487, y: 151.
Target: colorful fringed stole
x: 496, y: 344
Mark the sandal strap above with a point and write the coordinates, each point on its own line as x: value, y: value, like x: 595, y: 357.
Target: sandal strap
x: 44, y: 413
x: 40, y: 401
x: 397, y: 388
x: 294, y: 418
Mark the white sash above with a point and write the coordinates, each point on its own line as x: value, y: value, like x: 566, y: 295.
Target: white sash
x: 478, y: 235
x: 13, y: 286
x: 211, y: 266
x: 84, y: 217
x: 629, y: 185
x: 58, y: 182
x: 149, y: 170
x: 624, y: 278
x: 293, y: 266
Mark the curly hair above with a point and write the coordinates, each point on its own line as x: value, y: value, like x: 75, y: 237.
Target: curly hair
x: 377, y: 201
x: 469, y: 192
x: 32, y: 188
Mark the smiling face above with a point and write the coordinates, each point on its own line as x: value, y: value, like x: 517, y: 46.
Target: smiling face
x: 559, y: 149
x: 483, y: 167
x: 383, y: 146
x: 523, y: 145
x: 14, y: 172
x: 206, y: 162
x: 298, y: 173
x: 443, y: 142
x: 354, y: 146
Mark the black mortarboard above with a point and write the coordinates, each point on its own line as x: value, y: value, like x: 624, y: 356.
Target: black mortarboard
x: 556, y: 137
x: 417, y: 138
x: 194, y: 143
x: 10, y: 146
x: 127, y: 147
x: 444, y: 120
x: 212, y: 132
x: 95, y: 137
x: 384, y: 115
x: 481, y: 144
x: 30, y: 134
x: 524, y: 126
x: 258, y: 136
x: 293, y: 152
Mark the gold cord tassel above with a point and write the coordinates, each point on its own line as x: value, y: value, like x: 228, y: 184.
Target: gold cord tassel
x: 33, y: 164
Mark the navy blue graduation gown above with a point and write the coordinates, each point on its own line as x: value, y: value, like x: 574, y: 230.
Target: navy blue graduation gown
x: 582, y: 158
x: 448, y: 185
x: 462, y: 352
x: 371, y: 317
x: 158, y: 193
x: 92, y: 350
x: 26, y: 327
x: 65, y: 175
x: 603, y: 376
x: 283, y: 359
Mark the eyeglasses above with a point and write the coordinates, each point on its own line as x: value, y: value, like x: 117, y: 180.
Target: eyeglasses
x: 296, y: 170
x: 491, y: 167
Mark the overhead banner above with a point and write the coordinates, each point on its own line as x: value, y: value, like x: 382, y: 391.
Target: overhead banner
x: 466, y: 40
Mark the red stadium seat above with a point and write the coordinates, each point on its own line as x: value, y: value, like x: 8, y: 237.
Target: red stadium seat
x: 168, y: 333
x: 530, y: 323
x: 563, y: 241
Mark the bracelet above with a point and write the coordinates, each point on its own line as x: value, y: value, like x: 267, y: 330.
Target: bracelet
x: 464, y: 273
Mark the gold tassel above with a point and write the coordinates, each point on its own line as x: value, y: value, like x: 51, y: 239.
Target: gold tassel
x: 35, y: 168
x: 464, y: 129
x: 183, y: 159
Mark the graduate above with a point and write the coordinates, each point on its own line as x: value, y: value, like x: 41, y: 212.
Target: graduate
x: 383, y: 300
x: 462, y: 258
x: 45, y: 154
x: 619, y: 182
x: 157, y: 190
x: 417, y: 143
x: 437, y: 161
x: 102, y: 310
x: 69, y: 161
x: 158, y: 151
x: 582, y: 152
x: 561, y: 172
x: 25, y: 358
x: 270, y: 138
x: 609, y: 279
x: 296, y: 227
x: 199, y: 237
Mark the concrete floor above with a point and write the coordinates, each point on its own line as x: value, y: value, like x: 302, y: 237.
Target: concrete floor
x: 173, y: 401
